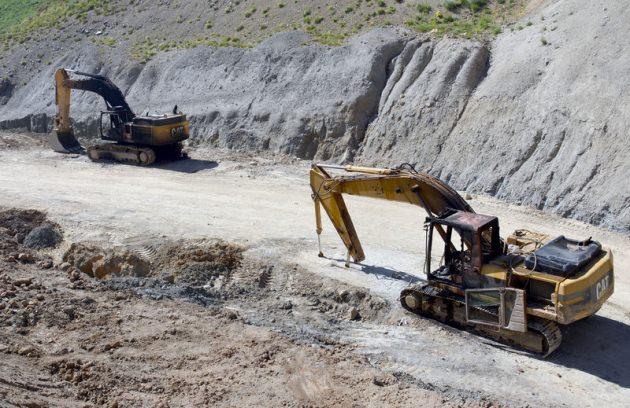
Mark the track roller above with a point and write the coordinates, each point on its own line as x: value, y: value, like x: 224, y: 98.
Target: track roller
x: 541, y: 338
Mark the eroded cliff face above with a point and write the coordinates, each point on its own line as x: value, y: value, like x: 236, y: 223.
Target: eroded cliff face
x: 306, y: 100
x: 543, y: 122
x: 424, y: 98
x: 539, y: 117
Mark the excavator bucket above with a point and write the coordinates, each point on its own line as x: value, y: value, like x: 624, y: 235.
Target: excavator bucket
x: 64, y: 142
x: 62, y: 138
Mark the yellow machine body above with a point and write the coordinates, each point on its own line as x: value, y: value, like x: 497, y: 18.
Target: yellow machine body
x: 138, y: 139
x: 536, y: 300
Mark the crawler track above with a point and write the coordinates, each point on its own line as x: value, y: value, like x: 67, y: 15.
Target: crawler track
x: 138, y: 155
x: 542, y: 338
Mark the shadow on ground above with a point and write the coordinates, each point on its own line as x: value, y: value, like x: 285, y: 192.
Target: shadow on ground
x: 598, y: 346
x: 381, y: 271
x: 188, y: 165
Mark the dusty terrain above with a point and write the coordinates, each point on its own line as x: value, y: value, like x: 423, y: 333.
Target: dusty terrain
x: 174, y: 323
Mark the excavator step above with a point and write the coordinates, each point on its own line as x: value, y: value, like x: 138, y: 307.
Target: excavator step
x: 541, y: 338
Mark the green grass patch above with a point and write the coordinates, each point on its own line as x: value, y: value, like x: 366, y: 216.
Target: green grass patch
x: 50, y: 15
x: 424, y: 8
x: 13, y: 12
x: 148, y: 48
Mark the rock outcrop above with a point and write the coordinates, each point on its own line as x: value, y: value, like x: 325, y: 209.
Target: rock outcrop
x: 539, y: 117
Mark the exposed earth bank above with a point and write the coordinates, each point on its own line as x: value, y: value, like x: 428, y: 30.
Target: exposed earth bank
x: 535, y: 117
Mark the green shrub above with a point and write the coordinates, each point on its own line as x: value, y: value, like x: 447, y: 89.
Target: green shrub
x: 452, y: 5
x: 424, y: 8
x: 477, y: 5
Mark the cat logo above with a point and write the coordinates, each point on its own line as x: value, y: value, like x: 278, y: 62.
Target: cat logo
x: 177, y: 131
x: 602, y: 286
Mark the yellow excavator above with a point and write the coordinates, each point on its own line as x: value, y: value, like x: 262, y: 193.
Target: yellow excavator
x: 138, y: 140
x: 516, y: 290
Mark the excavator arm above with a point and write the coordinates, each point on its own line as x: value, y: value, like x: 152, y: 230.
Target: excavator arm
x: 401, y: 184
x: 62, y: 138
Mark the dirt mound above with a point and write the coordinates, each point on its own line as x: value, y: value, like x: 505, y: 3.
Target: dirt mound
x: 44, y: 236
x: 185, y: 262
x: 179, y: 262
x: 20, y: 222
x: 101, y: 263
x: 21, y: 231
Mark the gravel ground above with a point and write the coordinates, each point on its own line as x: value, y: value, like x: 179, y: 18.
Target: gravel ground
x: 261, y: 204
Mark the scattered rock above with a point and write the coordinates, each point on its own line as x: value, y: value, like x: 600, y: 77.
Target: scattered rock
x: 44, y: 236
x: 45, y: 264
x: 383, y: 379
x: 353, y: 314
x: 343, y: 295
x: 286, y: 305
x: 231, y: 314
x: 23, y: 281
x: 70, y: 312
x: 25, y: 257
x: 28, y: 351
x: 112, y: 345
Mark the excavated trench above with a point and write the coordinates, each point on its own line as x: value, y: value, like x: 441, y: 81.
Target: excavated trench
x: 221, y: 275
x: 215, y: 274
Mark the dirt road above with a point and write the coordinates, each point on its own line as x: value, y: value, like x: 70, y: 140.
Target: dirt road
x: 264, y: 204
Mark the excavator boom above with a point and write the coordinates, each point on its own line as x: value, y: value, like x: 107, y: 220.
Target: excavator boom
x: 62, y: 138
x: 402, y: 184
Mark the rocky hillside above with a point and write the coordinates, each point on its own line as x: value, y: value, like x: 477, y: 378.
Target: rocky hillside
x: 533, y: 116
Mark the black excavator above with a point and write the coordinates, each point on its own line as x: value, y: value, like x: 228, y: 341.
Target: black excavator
x: 136, y: 139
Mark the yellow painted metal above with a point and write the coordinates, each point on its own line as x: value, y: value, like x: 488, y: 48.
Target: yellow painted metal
x: 62, y: 100
x: 571, y: 300
x: 162, y: 134
x: 403, y: 186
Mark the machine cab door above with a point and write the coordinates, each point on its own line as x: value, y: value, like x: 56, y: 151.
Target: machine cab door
x: 503, y: 308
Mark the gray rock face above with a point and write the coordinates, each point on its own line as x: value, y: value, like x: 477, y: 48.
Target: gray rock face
x: 542, y: 123
x: 424, y: 98
x: 310, y: 101
x: 6, y: 90
x: 547, y: 125
x: 306, y: 100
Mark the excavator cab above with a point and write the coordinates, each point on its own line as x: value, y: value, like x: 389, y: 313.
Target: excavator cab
x: 470, y: 240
